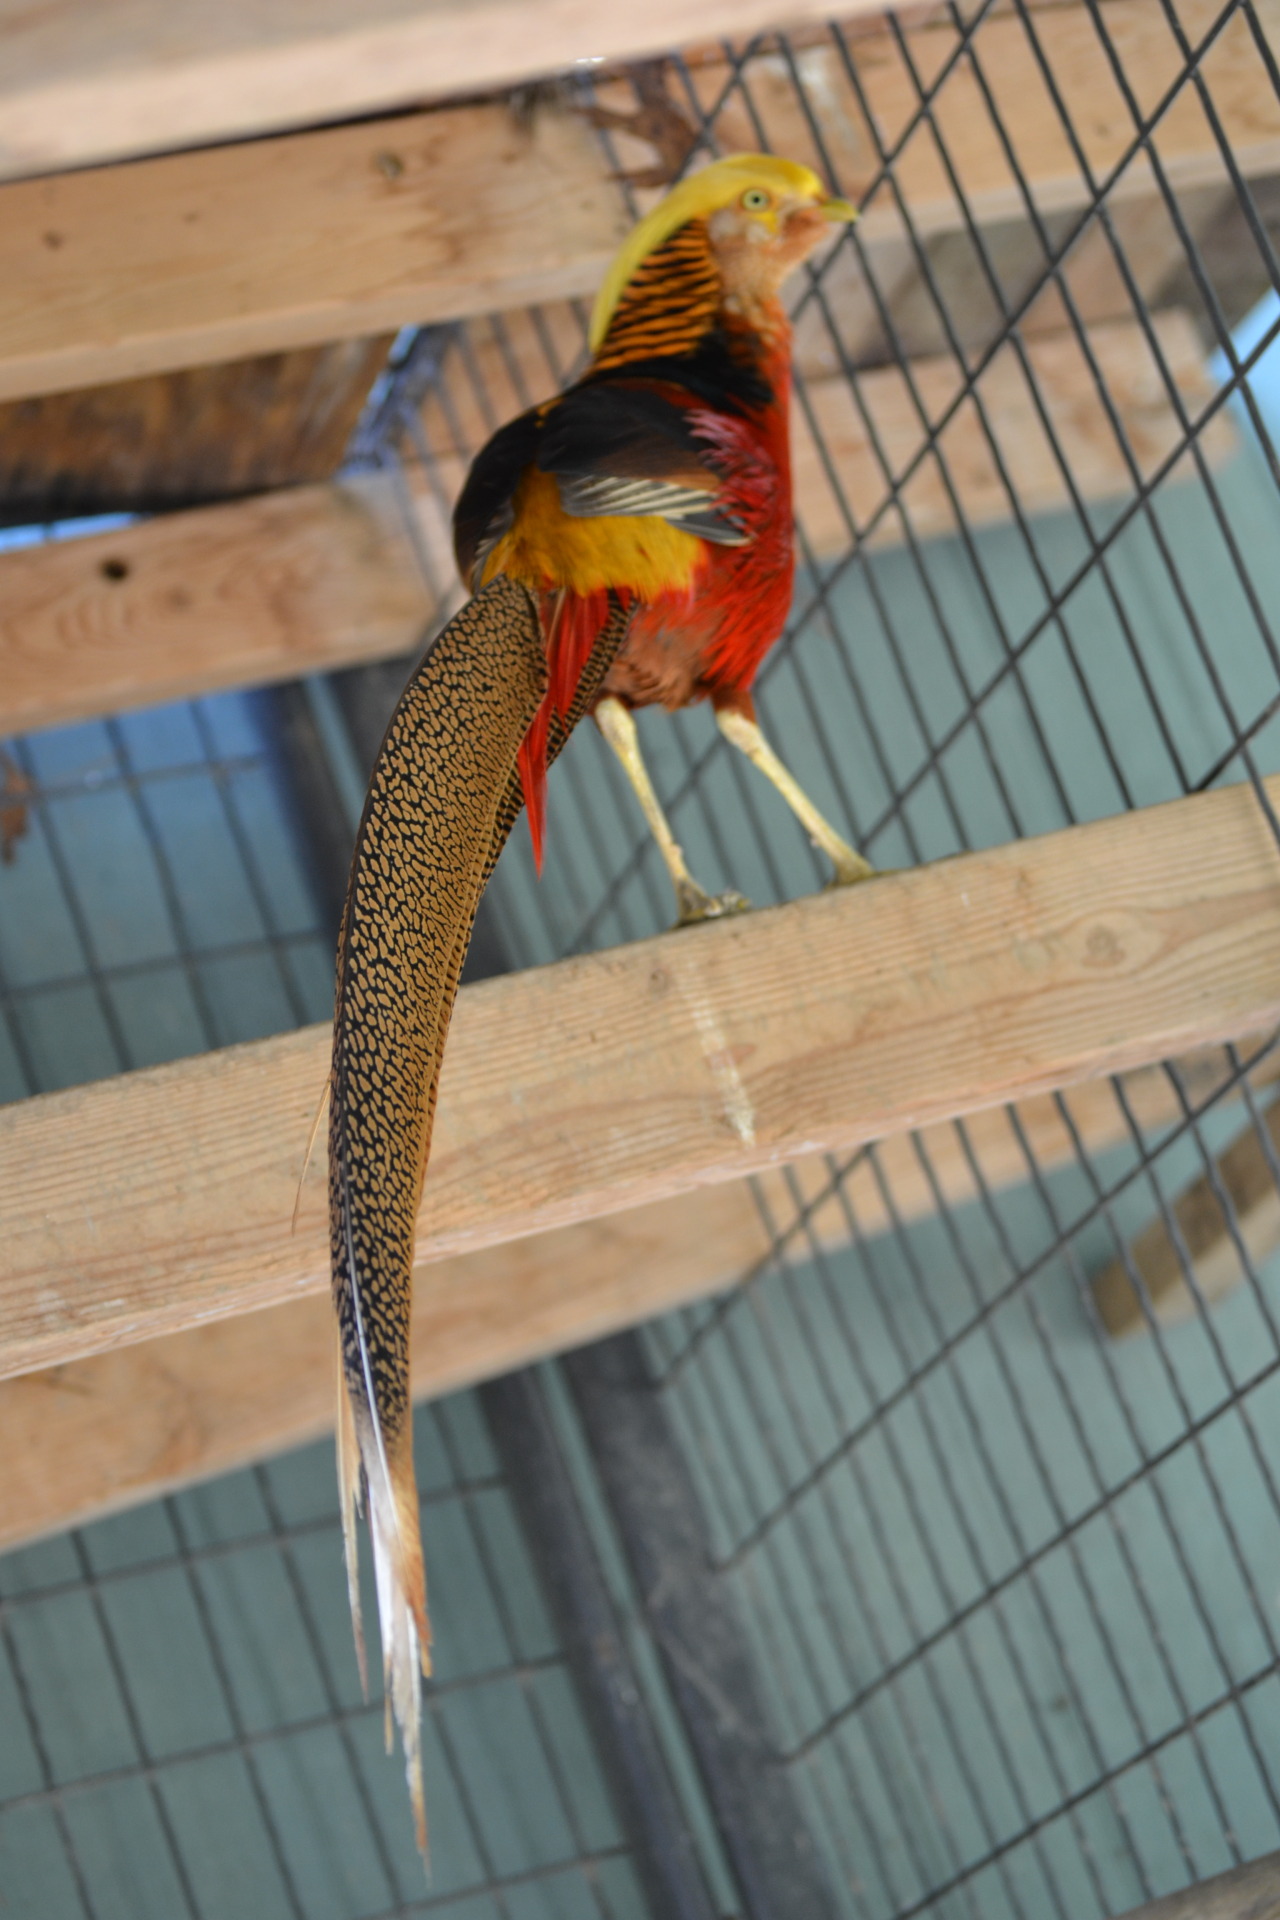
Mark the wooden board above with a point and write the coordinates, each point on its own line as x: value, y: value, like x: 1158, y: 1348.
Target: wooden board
x: 163, y: 1199
x: 1204, y: 1238
x: 886, y: 401
x: 85, y: 80
x: 200, y: 257
x: 229, y: 596
x: 325, y: 576
x: 181, y: 439
x: 1060, y: 380
x: 242, y: 250
x: 83, y: 1439
x: 1250, y: 1892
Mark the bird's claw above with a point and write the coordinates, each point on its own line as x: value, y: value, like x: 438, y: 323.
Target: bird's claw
x: 849, y: 872
x: 695, y: 904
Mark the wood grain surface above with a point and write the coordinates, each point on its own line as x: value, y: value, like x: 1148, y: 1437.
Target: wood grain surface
x: 85, y: 80
x: 181, y: 439
x: 228, y: 596
x: 94, y: 1435
x: 162, y: 1199
x: 1251, y: 1892
x: 232, y: 251
x: 1197, y: 1234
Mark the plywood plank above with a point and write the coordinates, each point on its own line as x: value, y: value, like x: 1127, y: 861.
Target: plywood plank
x: 86, y: 1438
x: 192, y: 258
x: 318, y: 577
x: 1250, y: 1892
x: 163, y: 1199
x: 969, y: 141
x: 840, y: 484
x: 229, y: 596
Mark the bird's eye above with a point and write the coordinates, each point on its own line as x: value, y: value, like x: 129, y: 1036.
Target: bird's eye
x: 755, y: 199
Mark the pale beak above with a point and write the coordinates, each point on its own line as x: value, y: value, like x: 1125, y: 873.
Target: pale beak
x: 838, y: 209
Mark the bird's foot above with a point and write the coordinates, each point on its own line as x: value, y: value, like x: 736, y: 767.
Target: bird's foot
x: 695, y: 904
x: 850, y: 867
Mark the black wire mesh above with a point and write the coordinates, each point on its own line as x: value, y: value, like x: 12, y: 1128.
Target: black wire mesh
x: 183, y: 1727
x: 1009, y: 1584
x: 161, y: 904
x: 185, y: 1732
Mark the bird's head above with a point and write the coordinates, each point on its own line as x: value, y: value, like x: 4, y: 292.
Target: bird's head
x: 763, y: 216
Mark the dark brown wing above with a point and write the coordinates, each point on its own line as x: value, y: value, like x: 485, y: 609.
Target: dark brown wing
x: 625, y: 447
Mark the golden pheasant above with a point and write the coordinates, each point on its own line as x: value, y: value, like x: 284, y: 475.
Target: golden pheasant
x: 628, y: 542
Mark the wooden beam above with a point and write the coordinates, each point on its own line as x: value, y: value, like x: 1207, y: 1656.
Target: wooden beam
x: 162, y: 1200
x: 198, y: 257
x: 1065, y: 387
x: 99, y: 1434
x: 232, y: 251
x: 325, y: 576
x: 1243, y: 1172
x: 885, y: 405
x: 105, y: 79
x: 184, y: 439
x: 1250, y: 1892
x: 265, y: 589
x: 1004, y: 58
x: 95, y: 1435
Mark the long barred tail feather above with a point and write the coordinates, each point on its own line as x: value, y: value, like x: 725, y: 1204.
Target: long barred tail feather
x: 444, y: 793
x: 421, y: 852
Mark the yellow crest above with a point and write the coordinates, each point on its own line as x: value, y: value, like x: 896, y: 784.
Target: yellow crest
x: 718, y: 185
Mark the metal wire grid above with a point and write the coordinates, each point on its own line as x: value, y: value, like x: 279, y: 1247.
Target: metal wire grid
x: 1012, y: 1587
x: 909, y: 1450
x: 162, y: 903
x: 489, y: 373
x: 183, y: 1732
x: 186, y: 1733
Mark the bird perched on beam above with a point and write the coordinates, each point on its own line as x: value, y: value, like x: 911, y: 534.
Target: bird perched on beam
x: 627, y: 543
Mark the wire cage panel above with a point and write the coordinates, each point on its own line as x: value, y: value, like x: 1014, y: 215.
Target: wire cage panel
x: 185, y: 1730
x: 1008, y: 1584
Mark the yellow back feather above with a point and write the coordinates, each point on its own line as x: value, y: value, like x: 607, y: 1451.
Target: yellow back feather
x: 718, y: 185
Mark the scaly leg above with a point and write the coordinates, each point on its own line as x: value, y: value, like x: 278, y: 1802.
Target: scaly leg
x: 745, y: 734
x: 692, y: 901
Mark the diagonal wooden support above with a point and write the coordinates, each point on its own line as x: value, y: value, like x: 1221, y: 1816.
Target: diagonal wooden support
x: 1198, y: 1234
x: 162, y: 1200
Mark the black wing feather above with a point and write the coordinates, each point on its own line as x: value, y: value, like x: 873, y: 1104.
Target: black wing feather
x: 486, y: 505
x: 623, y: 448
x: 612, y: 447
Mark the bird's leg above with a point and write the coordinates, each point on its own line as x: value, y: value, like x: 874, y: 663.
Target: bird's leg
x: 692, y: 901
x: 744, y: 733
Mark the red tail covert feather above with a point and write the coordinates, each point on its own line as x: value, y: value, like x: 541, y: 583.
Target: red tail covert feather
x: 572, y: 624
